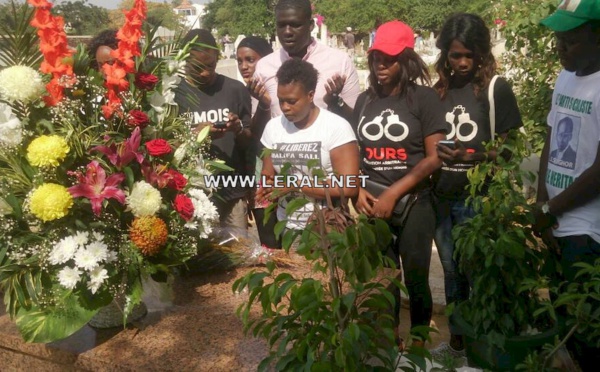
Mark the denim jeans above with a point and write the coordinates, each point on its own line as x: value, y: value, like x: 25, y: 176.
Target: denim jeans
x: 450, y: 213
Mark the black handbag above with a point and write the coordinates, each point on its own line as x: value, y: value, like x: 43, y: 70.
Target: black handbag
x: 402, y: 207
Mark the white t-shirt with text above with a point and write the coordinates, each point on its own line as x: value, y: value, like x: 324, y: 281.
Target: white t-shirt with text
x: 574, y: 147
x: 299, y: 146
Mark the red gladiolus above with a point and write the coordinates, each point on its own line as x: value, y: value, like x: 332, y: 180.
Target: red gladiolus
x: 129, y: 35
x: 158, y: 147
x: 184, y: 206
x: 53, y: 45
x: 96, y: 187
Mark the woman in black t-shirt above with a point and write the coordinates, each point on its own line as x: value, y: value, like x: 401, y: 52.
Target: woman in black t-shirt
x: 466, y: 67
x: 398, y: 123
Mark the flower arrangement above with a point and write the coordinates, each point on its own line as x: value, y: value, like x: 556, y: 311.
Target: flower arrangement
x: 100, y: 178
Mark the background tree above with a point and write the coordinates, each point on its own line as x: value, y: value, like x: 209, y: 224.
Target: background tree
x: 530, y: 62
x: 83, y: 18
x: 158, y: 14
x: 241, y: 17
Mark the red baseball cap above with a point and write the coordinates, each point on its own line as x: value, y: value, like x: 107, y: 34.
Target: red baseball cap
x: 393, y: 37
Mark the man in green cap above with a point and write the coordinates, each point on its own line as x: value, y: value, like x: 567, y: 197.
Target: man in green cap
x: 568, y: 213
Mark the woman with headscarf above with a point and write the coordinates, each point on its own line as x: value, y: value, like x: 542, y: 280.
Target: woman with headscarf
x: 249, y: 51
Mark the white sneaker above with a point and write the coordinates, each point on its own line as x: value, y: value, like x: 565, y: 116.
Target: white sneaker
x: 444, y: 352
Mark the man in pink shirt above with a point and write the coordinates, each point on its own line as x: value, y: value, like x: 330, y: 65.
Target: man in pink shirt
x: 337, y: 87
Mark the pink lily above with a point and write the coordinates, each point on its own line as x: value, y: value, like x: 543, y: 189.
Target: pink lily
x: 123, y: 154
x: 96, y: 187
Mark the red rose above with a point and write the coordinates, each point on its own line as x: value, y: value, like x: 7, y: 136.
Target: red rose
x: 184, y: 206
x: 137, y: 118
x: 176, y: 180
x: 145, y: 81
x: 158, y: 147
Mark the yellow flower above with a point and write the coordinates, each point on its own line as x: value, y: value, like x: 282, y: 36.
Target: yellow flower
x: 50, y: 202
x: 148, y: 234
x: 47, y: 151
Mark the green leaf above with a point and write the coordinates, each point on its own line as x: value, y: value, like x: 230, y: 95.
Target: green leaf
x: 295, y: 204
x: 55, y: 323
x: 203, y: 134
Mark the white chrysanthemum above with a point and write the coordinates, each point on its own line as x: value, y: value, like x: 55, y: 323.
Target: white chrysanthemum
x: 68, y: 277
x: 81, y: 238
x: 84, y: 259
x: 144, y: 200
x: 11, y: 130
x: 63, y: 251
x: 111, y: 256
x: 5, y: 208
x: 97, y: 277
x: 205, y: 213
x: 98, y: 236
x: 20, y: 83
x: 99, y: 250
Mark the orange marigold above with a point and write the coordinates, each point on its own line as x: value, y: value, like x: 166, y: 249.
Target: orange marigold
x: 149, y: 234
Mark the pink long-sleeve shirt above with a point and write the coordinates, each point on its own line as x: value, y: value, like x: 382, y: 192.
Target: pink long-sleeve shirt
x: 328, y: 61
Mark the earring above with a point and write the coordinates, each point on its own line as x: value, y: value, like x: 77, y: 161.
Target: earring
x: 447, y: 65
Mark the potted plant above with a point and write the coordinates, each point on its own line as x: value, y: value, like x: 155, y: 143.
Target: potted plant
x: 339, y: 318
x: 499, y: 252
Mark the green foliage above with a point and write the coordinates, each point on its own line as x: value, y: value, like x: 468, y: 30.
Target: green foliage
x: 579, y: 303
x: 240, y: 17
x: 84, y: 18
x: 338, y: 319
x: 531, y: 63
x: 18, y: 40
x: 499, y: 250
x: 50, y: 323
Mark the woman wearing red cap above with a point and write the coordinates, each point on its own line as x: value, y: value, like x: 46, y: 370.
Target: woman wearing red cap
x: 398, y: 122
x: 466, y: 67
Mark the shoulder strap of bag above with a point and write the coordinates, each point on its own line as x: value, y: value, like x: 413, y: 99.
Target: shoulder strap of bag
x: 492, y: 106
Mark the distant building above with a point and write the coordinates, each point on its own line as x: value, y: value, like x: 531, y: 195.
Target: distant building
x: 191, y: 13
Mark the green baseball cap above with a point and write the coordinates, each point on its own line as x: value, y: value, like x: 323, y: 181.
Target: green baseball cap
x: 572, y: 14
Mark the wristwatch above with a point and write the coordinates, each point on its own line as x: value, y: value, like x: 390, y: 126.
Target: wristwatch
x: 546, y: 208
x: 338, y: 101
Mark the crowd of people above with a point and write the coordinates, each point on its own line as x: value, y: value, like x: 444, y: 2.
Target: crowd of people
x: 414, y: 138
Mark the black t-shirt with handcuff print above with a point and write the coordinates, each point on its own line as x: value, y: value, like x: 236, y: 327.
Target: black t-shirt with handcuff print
x: 467, y: 119
x: 391, y: 132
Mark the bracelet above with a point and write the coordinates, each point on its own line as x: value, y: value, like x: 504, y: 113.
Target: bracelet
x: 241, y: 129
x: 262, y: 108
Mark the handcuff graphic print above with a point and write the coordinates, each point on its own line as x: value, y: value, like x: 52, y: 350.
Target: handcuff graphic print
x: 463, y: 119
x: 391, y: 121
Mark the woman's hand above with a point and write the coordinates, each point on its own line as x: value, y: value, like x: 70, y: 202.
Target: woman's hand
x: 450, y: 156
x: 384, y: 207
x: 364, y: 202
x: 333, y: 88
x: 268, y: 194
x: 259, y: 91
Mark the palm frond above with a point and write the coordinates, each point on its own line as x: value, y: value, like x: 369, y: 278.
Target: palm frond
x: 18, y: 40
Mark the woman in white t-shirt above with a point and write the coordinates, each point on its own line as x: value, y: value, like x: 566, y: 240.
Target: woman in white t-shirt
x: 306, y: 138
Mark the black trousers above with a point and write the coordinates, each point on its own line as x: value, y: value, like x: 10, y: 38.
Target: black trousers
x: 412, y: 248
